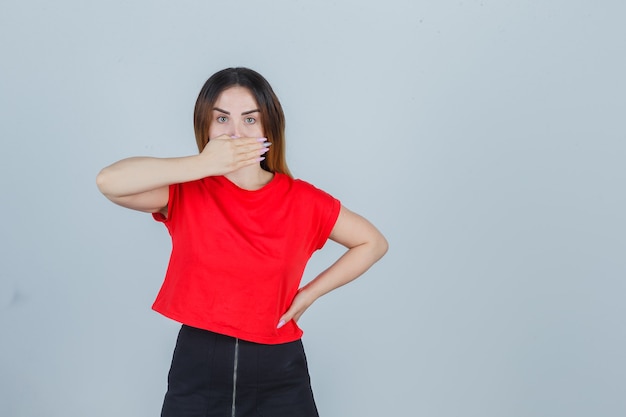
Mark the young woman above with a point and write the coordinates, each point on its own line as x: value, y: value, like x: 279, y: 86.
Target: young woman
x: 242, y: 232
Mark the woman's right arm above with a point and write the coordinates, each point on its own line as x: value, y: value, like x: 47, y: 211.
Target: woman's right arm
x: 142, y: 183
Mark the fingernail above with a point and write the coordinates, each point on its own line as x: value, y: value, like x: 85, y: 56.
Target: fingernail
x: 262, y: 139
x: 280, y: 324
x: 263, y: 150
x: 267, y: 144
x: 260, y: 159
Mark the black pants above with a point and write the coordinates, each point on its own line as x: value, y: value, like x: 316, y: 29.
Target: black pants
x: 213, y: 375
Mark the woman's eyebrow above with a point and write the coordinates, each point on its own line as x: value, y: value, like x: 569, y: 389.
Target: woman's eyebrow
x: 227, y: 112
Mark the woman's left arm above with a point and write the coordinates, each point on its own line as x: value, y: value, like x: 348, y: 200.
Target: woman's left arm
x: 365, y: 244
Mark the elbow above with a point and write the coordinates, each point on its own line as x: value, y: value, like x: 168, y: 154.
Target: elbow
x: 103, y: 182
x: 378, y: 246
x: 381, y: 246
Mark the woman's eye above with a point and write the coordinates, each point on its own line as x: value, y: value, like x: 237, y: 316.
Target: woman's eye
x: 222, y: 119
x: 250, y: 120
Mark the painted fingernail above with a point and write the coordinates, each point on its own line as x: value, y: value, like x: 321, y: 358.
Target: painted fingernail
x: 260, y: 159
x: 263, y: 150
x: 267, y: 144
x: 280, y: 324
x: 262, y: 139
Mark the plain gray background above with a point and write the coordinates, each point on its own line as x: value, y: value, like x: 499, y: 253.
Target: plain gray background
x: 486, y: 139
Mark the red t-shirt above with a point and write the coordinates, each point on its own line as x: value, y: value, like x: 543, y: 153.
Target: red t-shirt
x: 238, y: 256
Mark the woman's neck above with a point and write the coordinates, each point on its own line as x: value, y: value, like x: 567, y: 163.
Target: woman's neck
x: 251, y: 178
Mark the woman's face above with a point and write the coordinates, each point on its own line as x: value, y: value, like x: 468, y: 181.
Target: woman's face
x: 236, y: 114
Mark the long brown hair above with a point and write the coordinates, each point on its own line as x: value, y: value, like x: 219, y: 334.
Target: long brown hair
x: 272, y: 116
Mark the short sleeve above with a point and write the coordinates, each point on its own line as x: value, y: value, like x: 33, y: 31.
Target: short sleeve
x: 159, y: 217
x: 322, y: 213
x: 333, y: 206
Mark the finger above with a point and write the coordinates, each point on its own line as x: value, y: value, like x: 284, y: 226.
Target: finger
x: 252, y: 155
x: 250, y: 161
x: 285, y: 319
x: 260, y: 148
x: 289, y: 316
x: 245, y: 145
x: 221, y: 137
x: 249, y: 141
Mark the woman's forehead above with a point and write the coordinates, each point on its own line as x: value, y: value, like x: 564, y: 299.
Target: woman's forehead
x: 236, y: 97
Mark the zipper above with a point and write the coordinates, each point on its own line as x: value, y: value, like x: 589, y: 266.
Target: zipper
x: 235, y: 363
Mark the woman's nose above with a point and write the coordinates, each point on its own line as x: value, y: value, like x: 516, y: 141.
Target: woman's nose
x: 236, y: 130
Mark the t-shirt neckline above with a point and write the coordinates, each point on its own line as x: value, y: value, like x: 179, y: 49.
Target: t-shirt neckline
x: 264, y: 188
